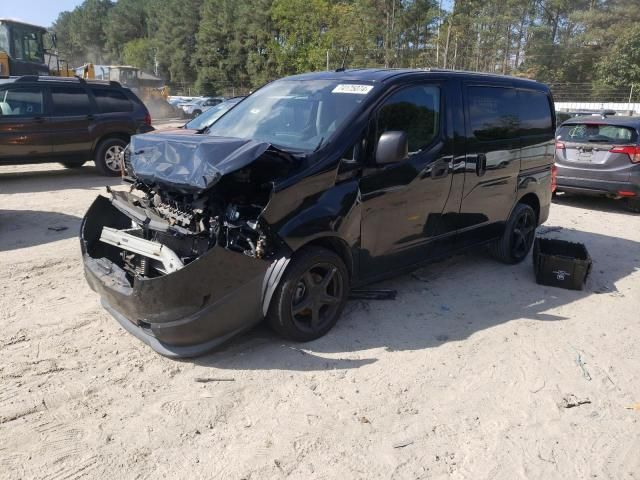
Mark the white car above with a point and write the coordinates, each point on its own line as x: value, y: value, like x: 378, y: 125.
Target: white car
x: 198, y: 105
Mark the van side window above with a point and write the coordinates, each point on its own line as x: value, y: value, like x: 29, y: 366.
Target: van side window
x: 493, y: 113
x: 21, y: 101
x: 111, y: 101
x: 535, y: 113
x: 414, y: 110
x: 70, y: 101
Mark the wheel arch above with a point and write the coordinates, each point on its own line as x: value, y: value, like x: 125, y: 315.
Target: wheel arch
x: 338, y: 246
x: 533, y: 201
x: 273, y: 278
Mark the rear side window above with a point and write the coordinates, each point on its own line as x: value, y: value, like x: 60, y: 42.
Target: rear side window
x: 111, y: 101
x: 596, y: 133
x: 21, y: 101
x: 70, y: 101
x: 414, y: 110
x: 535, y: 113
x: 493, y: 113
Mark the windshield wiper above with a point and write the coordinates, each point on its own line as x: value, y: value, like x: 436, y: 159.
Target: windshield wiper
x: 319, y: 145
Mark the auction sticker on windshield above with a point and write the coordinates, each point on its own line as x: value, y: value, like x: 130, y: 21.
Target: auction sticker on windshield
x: 352, y: 88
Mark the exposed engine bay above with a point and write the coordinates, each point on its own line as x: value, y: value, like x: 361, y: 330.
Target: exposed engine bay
x: 174, y: 224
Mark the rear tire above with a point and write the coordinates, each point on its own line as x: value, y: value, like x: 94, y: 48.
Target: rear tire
x: 516, y: 240
x: 196, y: 113
x: 311, y: 295
x: 632, y: 205
x: 73, y: 164
x: 107, y: 157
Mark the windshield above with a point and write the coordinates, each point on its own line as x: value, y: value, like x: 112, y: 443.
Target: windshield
x: 27, y: 44
x: 207, y: 118
x: 599, y: 133
x: 289, y: 114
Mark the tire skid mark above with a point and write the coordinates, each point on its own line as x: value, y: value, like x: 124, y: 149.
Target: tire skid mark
x: 22, y: 413
x: 75, y: 471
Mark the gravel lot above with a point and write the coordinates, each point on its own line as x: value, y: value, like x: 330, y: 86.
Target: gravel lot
x: 462, y: 376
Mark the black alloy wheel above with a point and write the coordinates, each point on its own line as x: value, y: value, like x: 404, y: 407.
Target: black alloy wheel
x: 523, y: 234
x: 317, y: 297
x: 518, y: 236
x: 310, y: 296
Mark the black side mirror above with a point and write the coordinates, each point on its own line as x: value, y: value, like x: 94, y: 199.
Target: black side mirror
x: 392, y: 147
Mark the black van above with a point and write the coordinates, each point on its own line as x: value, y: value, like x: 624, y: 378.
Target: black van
x: 310, y: 186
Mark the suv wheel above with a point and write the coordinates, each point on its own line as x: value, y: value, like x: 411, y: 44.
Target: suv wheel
x: 632, y: 205
x: 108, y: 156
x: 517, y: 238
x: 311, y: 295
x: 196, y: 113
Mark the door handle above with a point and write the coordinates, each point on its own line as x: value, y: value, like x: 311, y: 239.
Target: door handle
x: 90, y: 117
x: 481, y: 164
x: 440, y: 169
x: 38, y: 119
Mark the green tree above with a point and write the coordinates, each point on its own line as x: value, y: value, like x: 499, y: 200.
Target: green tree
x: 125, y: 22
x: 621, y: 67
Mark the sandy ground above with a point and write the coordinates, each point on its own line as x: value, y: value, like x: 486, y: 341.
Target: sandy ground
x: 463, y: 376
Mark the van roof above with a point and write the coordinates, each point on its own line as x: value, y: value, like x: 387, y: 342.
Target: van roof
x: 384, y: 74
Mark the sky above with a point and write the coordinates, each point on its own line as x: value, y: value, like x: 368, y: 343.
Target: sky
x: 38, y: 12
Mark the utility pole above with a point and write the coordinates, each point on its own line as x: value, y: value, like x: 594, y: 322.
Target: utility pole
x: 438, y: 35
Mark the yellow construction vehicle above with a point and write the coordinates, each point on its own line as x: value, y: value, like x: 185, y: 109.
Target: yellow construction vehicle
x: 22, y: 51
x: 151, y: 89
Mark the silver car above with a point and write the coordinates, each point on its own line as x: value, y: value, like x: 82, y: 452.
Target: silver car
x: 198, y: 105
x: 598, y: 155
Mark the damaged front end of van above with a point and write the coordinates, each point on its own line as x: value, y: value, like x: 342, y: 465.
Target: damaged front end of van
x: 184, y: 259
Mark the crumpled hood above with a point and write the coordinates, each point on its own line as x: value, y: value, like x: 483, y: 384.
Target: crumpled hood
x: 190, y: 163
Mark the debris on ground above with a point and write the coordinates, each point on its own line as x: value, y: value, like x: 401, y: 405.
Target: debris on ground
x: 373, y: 294
x: 402, y: 444
x: 580, y: 363
x: 58, y: 228
x: 635, y: 407
x: 545, y: 230
x: 208, y: 380
x: 570, y: 401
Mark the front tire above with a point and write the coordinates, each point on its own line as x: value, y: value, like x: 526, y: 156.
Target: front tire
x: 108, y: 156
x: 516, y: 240
x: 196, y: 113
x: 311, y: 295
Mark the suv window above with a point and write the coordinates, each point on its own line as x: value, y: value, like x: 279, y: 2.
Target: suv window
x: 493, y: 113
x: 69, y: 100
x: 596, y: 133
x: 534, y: 113
x: 21, y: 101
x: 414, y: 110
x: 110, y: 101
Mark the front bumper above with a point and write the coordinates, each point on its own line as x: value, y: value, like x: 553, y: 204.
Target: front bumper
x: 184, y: 313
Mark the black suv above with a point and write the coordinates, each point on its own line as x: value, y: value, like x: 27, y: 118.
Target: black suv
x: 310, y: 186
x: 68, y: 120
